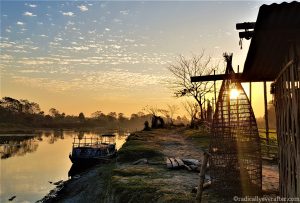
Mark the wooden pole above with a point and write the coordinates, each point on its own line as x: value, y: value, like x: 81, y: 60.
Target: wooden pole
x: 250, y: 92
x: 215, y: 92
x: 202, y: 177
x: 266, y: 115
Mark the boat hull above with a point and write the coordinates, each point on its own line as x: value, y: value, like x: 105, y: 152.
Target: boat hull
x: 92, y: 160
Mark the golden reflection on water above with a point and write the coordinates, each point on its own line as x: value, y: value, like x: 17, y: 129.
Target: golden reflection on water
x: 29, y: 163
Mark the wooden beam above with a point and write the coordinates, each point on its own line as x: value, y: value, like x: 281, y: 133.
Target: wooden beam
x: 216, y: 77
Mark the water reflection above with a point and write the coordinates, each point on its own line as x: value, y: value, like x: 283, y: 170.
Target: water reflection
x: 29, y: 162
x: 17, y: 145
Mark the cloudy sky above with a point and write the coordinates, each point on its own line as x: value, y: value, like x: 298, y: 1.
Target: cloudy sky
x: 110, y: 56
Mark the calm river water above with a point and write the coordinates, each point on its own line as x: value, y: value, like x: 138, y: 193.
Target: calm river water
x: 29, y: 162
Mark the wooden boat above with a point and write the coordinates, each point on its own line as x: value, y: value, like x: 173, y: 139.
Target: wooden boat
x: 93, y: 150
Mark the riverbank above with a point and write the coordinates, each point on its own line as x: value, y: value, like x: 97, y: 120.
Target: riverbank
x: 123, y: 180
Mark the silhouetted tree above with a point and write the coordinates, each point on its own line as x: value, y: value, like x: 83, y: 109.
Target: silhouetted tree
x: 172, y: 111
x: 81, y: 117
x: 54, y: 112
x: 192, y: 109
x: 121, y: 117
x: 183, y: 70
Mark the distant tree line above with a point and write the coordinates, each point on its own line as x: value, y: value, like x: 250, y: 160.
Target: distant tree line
x: 27, y: 113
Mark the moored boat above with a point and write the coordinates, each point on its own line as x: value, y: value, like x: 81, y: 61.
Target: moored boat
x: 93, y: 150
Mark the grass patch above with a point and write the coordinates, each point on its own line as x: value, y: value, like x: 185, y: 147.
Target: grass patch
x: 136, y: 170
x: 199, y: 137
x: 133, y: 189
x: 139, y: 146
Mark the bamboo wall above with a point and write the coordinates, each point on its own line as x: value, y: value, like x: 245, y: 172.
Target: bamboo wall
x: 287, y: 106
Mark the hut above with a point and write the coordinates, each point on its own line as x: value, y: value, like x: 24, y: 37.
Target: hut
x: 274, y: 56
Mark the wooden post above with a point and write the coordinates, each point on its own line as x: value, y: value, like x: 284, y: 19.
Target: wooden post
x: 250, y: 92
x: 266, y: 116
x: 215, y: 92
x: 202, y: 177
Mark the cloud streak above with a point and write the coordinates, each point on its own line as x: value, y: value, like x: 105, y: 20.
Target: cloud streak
x: 70, y: 14
x: 83, y: 8
x: 29, y: 14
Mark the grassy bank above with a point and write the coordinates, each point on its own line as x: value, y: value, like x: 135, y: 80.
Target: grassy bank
x: 153, y: 182
x: 123, y: 181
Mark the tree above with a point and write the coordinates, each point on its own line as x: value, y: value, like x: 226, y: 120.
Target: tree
x: 192, y: 109
x: 54, y: 112
x: 153, y: 110
x: 97, y: 114
x: 29, y: 107
x: 134, y: 116
x: 172, y: 111
x: 121, y: 117
x: 183, y: 70
x: 11, y: 104
x: 81, y: 117
x: 112, y: 116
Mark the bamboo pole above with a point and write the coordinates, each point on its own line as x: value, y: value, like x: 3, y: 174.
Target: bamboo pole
x: 266, y: 116
x: 250, y: 92
x: 202, y: 177
x: 215, y: 92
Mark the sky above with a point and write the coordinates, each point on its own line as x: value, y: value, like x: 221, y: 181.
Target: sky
x: 84, y: 56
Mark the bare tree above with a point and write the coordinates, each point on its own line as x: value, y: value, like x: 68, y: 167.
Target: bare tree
x: 192, y: 109
x: 172, y: 111
x: 153, y: 110
x: 184, y: 69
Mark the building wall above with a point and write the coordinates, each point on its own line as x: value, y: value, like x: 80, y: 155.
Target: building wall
x: 287, y: 106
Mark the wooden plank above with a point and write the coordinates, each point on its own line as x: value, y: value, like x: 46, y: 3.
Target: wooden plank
x: 169, y: 163
x: 179, y: 161
x: 187, y: 167
x: 174, y: 163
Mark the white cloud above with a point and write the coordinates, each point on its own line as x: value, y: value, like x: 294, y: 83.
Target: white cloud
x: 116, y: 46
x: 107, y: 29
x: 43, y: 36
x: 71, y: 14
x: 20, y: 23
x: 32, y: 5
x: 7, y: 30
x: 124, y: 12
x: 77, y: 48
x: 6, y: 57
x: 29, y: 14
x: 70, y: 23
x: 83, y: 8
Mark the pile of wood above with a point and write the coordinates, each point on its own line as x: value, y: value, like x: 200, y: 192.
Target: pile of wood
x: 189, y: 164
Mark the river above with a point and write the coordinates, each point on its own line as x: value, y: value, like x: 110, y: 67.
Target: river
x: 30, y: 163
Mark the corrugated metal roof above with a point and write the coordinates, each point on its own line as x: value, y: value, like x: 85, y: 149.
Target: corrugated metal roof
x: 277, y: 25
